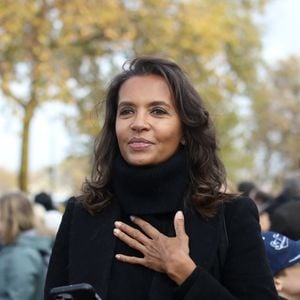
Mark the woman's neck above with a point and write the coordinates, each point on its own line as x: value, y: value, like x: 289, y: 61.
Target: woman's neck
x: 151, y: 189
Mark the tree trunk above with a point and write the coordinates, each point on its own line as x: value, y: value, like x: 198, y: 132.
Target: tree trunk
x: 23, y: 173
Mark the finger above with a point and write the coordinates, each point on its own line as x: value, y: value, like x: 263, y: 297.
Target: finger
x: 179, y: 224
x: 134, y: 233
x: 131, y: 242
x: 147, y: 228
x: 130, y: 259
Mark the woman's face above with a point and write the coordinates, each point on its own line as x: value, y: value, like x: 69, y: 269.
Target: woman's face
x: 148, y: 127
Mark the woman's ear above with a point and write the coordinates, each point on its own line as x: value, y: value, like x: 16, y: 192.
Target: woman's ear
x: 278, y: 283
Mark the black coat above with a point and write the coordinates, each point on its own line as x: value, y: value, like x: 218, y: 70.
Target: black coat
x: 84, y: 250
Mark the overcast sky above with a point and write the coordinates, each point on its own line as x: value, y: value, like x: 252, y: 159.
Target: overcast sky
x: 49, y: 141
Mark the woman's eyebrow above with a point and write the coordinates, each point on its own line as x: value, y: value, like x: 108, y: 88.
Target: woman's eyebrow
x: 126, y: 103
x: 150, y: 104
x: 159, y: 102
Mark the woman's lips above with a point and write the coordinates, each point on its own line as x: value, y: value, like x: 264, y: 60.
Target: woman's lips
x: 139, y: 144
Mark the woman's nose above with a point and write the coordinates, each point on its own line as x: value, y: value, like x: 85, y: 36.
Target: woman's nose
x: 140, y: 122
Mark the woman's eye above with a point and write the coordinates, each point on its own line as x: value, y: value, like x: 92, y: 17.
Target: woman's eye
x: 158, y: 111
x: 125, y: 111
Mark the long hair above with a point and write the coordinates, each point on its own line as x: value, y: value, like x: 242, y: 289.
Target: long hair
x: 207, y: 173
x: 16, y: 216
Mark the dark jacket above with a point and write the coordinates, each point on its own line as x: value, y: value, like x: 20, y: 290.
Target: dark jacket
x: 84, y: 250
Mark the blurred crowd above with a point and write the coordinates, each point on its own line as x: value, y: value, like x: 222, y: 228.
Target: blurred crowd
x: 279, y: 217
x: 279, y: 213
x: 28, y: 227
x: 27, y: 231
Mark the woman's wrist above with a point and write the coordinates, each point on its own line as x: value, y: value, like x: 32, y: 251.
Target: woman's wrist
x: 181, y: 270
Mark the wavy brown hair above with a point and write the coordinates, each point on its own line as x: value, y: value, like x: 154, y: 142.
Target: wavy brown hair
x: 207, y: 173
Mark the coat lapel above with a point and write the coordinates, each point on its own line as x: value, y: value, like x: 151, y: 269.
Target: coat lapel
x: 92, y: 253
x: 204, y: 236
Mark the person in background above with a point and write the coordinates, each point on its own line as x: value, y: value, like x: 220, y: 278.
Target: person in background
x: 23, y: 259
x: 39, y: 223
x: 286, y: 220
x: 281, y: 214
x: 52, y: 216
x: 290, y: 192
x: 246, y: 188
x: 262, y: 200
x: 284, y: 258
x: 150, y: 223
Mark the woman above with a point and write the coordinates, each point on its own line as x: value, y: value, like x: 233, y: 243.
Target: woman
x: 149, y: 222
x: 24, y: 253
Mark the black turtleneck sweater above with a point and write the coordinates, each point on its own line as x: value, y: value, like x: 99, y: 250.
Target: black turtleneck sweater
x: 154, y: 193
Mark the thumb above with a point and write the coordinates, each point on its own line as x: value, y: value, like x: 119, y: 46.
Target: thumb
x: 179, y: 224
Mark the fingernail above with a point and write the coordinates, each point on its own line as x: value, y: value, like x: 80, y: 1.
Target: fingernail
x: 118, y: 223
x: 179, y: 215
x: 116, y: 231
x: 132, y: 218
x: 118, y: 256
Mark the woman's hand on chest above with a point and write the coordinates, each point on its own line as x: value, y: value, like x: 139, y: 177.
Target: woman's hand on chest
x: 161, y: 253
